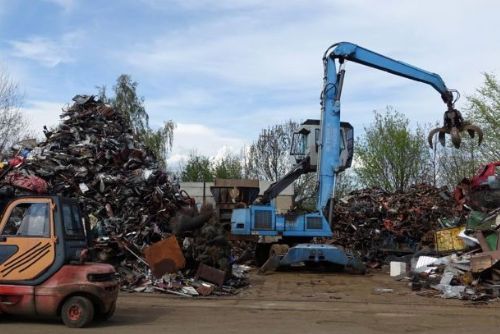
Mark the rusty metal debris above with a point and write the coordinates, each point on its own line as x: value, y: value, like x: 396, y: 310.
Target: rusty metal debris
x: 132, y: 206
x: 376, y: 224
x: 472, y: 274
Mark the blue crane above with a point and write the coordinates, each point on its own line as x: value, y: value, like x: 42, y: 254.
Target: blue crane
x: 325, y: 146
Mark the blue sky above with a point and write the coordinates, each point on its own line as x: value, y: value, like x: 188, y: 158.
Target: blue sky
x: 223, y: 70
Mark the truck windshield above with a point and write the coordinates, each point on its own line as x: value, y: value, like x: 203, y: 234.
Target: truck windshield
x: 29, y: 219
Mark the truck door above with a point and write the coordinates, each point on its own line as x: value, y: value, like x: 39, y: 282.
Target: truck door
x: 27, y: 239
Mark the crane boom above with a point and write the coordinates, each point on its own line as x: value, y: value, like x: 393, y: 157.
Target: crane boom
x: 330, y: 115
x: 360, y: 55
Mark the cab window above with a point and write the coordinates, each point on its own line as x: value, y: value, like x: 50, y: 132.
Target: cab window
x: 73, y: 227
x: 28, y: 220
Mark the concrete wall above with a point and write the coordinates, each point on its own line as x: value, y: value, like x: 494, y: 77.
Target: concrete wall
x: 195, y: 190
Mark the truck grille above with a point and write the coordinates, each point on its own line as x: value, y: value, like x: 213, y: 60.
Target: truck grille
x: 263, y: 220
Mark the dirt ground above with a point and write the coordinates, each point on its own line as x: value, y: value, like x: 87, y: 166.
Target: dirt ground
x: 290, y: 302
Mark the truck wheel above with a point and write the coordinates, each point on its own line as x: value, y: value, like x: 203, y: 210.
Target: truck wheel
x: 77, y: 312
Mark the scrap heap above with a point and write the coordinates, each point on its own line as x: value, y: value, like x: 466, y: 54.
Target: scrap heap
x: 130, y: 202
x: 376, y: 224
x: 440, y: 248
x: 472, y: 273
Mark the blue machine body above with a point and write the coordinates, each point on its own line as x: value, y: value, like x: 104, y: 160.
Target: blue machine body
x: 264, y: 219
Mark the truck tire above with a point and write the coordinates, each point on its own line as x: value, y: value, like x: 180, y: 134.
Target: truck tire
x: 77, y: 312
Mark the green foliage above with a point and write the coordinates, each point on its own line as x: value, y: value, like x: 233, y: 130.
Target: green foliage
x: 159, y: 141
x: 130, y: 104
x: 345, y: 183
x: 197, y: 169
x: 484, y: 110
x: 457, y: 164
x: 126, y: 100
x: 201, y: 168
x: 229, y: 167
x: 390, y: 156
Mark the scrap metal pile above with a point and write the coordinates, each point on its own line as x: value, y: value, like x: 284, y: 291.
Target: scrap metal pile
x: 471, y: 273
x: 375, y: 224
x: 130, y: 202
x: 441, y: 247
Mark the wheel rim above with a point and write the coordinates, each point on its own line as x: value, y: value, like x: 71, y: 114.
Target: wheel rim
x: 74, y: 312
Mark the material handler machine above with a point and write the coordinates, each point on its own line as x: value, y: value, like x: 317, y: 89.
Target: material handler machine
x: 325, y: 146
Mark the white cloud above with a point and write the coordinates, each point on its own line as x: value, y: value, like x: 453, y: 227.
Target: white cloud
x: 248, y: 64
x: 203, y: 140
x: 40, y: 113
x: 47, y: 51
x: 276, y: 46
x: 262, y: 50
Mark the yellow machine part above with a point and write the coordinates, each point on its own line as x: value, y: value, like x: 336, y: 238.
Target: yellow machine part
x: 447, y: 240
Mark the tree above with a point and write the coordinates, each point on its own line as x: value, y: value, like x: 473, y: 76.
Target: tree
x: 159, y: 141
x: 126, y: 100
x: 229, y: 167
x: 345, y: 183
x: 390, y: 156
x: 197, y: 169
x: 484, y: 110
x: 130, y: 104
x: 268, y: 158
x: 457, y: 164
x: 12, y: 123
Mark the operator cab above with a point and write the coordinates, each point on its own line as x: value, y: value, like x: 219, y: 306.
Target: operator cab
x: 305, y: 143
x: 38, y: 235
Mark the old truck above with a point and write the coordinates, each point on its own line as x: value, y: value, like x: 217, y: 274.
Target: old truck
x: 43, y: 268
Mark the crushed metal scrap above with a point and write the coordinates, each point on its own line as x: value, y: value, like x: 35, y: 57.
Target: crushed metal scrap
x: 376, y: 224
x: 438, y: 245
x: 132, y: 206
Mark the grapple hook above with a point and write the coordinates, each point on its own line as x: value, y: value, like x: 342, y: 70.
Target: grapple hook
x: 453, y: 125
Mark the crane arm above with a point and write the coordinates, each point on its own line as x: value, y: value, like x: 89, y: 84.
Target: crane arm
x: 360, y: 55
x: 330, y: 113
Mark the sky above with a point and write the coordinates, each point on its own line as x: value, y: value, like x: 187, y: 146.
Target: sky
x: 222, y: 70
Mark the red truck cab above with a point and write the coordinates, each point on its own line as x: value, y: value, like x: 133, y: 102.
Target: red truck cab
x: 487, y: 176
x: 42, y: 272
